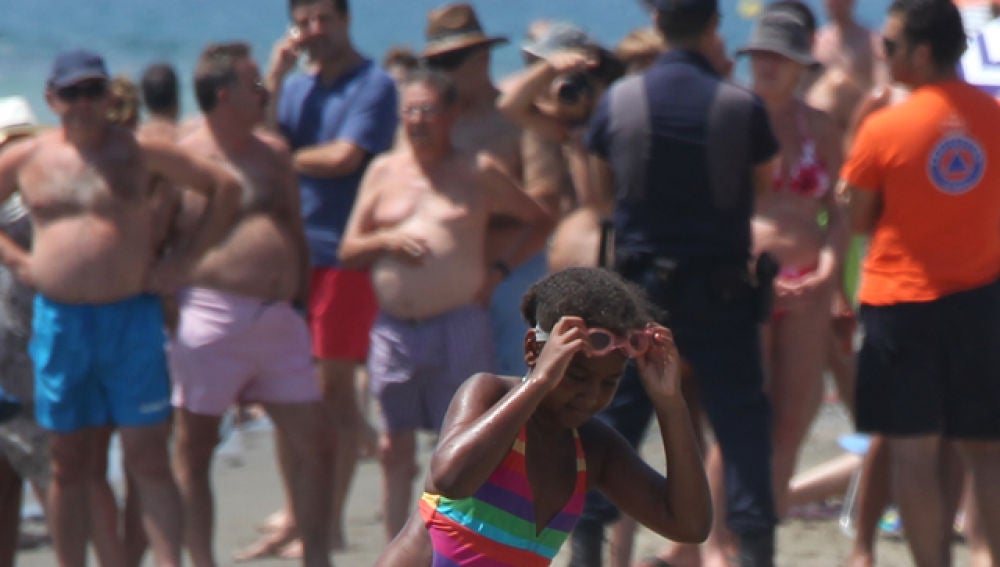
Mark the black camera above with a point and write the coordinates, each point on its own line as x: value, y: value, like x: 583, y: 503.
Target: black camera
x: 573, y: 88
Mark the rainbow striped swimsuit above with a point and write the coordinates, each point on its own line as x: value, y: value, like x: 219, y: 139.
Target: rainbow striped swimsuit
x: 496, y: 526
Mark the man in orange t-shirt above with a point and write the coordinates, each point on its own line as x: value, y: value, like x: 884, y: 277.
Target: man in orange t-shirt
x: 924, y: 179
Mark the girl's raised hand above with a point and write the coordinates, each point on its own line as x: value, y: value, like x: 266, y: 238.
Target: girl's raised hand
x: 660, y: 365
x: 565, y: 340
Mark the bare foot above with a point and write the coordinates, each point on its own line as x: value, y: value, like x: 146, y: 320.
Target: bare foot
x: 293, y: 549
x: 276, y: 522
x: 268, y: 546
x: 679, y: 555
x: 860, y: 559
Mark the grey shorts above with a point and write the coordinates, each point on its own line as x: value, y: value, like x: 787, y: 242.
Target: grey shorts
x: 415, y: 367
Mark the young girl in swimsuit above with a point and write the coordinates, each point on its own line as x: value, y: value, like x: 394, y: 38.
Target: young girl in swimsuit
x: 517, y: 454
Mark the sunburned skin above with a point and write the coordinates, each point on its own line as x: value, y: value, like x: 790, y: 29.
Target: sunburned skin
x: 260, y: 257
x: 451, y: 221
x: 91, y: 219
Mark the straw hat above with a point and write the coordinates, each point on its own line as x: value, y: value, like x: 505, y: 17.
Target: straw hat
x: 455, y: 27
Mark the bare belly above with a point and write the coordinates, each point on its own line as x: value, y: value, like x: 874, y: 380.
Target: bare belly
x: 258, y: 259
x: 438, y: 285
x: 89, y: 259
x: 794, y: 240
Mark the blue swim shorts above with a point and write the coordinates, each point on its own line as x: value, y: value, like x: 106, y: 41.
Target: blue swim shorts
x: 99, y: 365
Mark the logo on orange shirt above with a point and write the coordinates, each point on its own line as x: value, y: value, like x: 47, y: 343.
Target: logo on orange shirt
x: 956, y: 164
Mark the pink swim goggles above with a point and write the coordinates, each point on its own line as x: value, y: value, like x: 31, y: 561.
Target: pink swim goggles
x: 602, y: 341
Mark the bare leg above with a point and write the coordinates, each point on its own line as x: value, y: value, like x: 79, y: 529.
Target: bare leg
x: 411, y: 548
x: 398, y: 458
x: 145, y: 450
x: 719, y: 546
x: 284, y: 533
x: 871, y: 499
x: 795, y: 387
x: 982, y: 459
x: 305, y: 428
x: 825, y: 480
x: 919, y: 485
x: 196, y: 438
x: 337, y: 385
x: 972, y: 527
x: 11, y: 492
x: 621, y: 540
x: 133, y: 533
x: 103, y: 511
x: 76, y: 458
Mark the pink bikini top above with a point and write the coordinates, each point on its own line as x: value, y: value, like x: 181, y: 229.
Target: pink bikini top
x: 808, y: 177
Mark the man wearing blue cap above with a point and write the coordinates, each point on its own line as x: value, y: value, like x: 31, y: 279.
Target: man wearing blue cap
x: 97, y: 337
x: 680, y: 155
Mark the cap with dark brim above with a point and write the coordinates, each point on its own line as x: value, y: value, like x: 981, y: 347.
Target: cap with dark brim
x: 781, y: 32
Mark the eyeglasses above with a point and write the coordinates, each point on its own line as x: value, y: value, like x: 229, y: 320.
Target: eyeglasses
x: 889, y: 46
x: 417, y: 110
x: 90, y: 91
x: 602, y: 341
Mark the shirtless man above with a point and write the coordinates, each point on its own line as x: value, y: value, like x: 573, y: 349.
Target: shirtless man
x: 98, y: 333
x: 420, y: 222
x: 239, y: 337
x: 159, y: 95
x: 457, y: 45
x: 853, y: 63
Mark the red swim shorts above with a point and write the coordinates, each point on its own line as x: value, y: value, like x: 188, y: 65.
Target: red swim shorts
x: 342, y: 308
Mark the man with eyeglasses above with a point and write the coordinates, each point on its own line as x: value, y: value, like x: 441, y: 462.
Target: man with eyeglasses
x: 337, y: 112
x: 420, y: 224
x: 456, y: 44
x: 923, y: 181
x: 98, y: 334
x: 239, y: 339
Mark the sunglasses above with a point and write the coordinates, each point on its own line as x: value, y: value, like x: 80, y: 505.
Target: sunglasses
x: 89, y: 91
x: 600, y: 342
x: 451, y: 61
x: 889, y: 46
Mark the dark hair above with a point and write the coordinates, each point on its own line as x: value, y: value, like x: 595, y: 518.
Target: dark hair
x: 684, y: 24
x: 217, y: 69
x: 342, y: 6
x: 400, y: 55
x: 159, y: 88
x: 937, y: 23
x: 438, y: 80
x: 598, y: 296
x: 800, y: 9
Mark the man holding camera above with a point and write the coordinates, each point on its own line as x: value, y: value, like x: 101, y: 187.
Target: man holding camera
x: 682, y: 153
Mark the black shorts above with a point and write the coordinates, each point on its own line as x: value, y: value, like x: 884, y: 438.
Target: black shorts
x: 932, y: 368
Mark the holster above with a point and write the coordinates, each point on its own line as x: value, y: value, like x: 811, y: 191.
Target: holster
x: 766, y: 268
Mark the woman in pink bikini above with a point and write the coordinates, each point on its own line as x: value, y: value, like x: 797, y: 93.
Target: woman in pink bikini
x: 803, y: 226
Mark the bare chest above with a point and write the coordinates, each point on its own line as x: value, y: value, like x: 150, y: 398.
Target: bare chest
x: 62, y: 183
x: 451, y: 202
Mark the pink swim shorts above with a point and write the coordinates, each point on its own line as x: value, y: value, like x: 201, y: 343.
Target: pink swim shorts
x: 231, y: 348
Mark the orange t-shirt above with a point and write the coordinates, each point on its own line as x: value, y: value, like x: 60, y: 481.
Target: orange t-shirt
x: 935, y: 160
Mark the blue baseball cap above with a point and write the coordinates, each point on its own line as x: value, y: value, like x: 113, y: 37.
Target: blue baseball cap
x: 682, y: 5
x: 77, y: 65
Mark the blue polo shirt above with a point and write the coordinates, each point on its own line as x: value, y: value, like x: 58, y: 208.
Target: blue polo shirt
x: 359, y: 107
x: 699, y: 193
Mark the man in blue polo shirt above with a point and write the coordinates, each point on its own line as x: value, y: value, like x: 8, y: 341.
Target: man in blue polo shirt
x: 682, y: 155
x: 336, y: 115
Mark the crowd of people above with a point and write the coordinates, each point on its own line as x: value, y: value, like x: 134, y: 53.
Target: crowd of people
x: 532, y: 269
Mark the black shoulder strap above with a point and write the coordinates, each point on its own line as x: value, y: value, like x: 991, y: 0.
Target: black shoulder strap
x: 729, y: 154
x: 629, y: 127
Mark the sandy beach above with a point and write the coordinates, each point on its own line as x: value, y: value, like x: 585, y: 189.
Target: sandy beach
x: 247, y: 490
